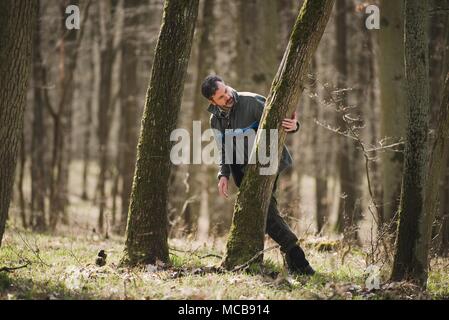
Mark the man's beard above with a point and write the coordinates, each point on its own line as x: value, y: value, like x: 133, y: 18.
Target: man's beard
x: 229, y: 104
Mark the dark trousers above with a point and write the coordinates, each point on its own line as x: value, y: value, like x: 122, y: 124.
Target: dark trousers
x: 276, y: 228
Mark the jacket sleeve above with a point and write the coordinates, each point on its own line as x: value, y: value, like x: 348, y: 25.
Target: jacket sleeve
x: 224, y: 169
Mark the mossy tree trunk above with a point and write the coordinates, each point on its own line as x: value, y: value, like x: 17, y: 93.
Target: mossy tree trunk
x: 247, y: 232
x: 17, y: 22
x: 146, y: 235
x: 392, y: 101
x: 410, y: 262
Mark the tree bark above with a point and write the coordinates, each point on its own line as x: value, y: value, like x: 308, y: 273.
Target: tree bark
x: 129, y: 105
x: 437, y: 164
x: 198, y: 174
x: 146, y: 234
x: 348, y: 155
x: 68, y: 51
x: 17, y: 22
x: 257, y: 31
x: 409, y: 261
x: 104, y: 115
x: 393, y: 108
x: 320, y: 155
x: 38, y: 172
x: 246, y: 237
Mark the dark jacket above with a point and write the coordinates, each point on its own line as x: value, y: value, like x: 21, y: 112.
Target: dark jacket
x: 245, y: 114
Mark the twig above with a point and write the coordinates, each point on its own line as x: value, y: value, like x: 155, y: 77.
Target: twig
x: 35, y: 252
x: 196, y: 254
x: 210, y: 255
x: 257, y: 255
x: 9, y: 269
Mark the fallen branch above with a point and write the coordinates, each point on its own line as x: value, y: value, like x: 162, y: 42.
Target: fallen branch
x: 9, y: 269
x: 257, y: 255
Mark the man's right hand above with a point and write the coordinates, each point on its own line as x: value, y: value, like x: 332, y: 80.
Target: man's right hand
x: 223, y: 187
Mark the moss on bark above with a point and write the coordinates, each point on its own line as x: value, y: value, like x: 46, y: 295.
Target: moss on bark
x: 146, y: 235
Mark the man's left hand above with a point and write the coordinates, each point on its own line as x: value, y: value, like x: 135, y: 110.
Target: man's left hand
x: 290, y: 124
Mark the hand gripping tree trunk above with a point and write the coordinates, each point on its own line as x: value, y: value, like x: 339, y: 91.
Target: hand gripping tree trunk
x: 409, y: 262
x: 16, y: 35
x: 246, y: 237
x: 146, y: 234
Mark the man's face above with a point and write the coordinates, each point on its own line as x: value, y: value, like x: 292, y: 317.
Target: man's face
x: 223, y: 96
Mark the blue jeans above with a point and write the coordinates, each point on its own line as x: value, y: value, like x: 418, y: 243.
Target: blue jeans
x: 276, y: 227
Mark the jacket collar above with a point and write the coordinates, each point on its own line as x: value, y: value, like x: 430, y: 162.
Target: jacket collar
x: 216, y: 111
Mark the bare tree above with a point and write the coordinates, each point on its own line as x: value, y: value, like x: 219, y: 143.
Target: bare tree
x: 146, y: 234
x: 410, y: 261
x: 392, y: 101
x: 17, y: 22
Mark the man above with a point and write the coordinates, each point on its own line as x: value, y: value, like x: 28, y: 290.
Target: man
x: 242, y: 110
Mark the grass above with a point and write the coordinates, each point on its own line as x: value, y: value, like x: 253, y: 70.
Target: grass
x: 63, y: 267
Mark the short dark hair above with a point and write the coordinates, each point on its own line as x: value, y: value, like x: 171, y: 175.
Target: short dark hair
x: 209, y: 86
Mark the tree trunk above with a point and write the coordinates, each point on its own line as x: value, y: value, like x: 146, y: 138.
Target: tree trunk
x: 410, y: 261
x: 393, y: 109
x: 257, y: 32
x: 87, y: 133
x: 105, y: 104
x: 146, y: 234
x: 129, y: 105
x: 319, y: 155
x: 442, y: 237
x: 22, y: 158
x: 443, y: 247
x: 68, y: 53
x: 246, y: 237
x: 348, y: 155
x: 38, y: 172
x: 437, y: 165
x: 17, y: 22
x: 198, y: 174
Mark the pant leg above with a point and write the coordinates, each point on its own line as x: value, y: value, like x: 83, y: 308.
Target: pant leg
x: 276, y: 227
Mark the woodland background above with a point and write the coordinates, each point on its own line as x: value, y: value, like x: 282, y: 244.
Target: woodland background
x: 82, y: 120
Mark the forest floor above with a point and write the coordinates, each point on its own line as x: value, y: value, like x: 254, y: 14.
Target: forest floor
x: 63, y: 267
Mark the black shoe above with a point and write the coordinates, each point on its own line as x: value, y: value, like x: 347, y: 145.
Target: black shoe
x: 297, y: 262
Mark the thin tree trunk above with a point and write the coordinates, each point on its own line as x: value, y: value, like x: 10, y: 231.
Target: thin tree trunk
x: 437, y: 164
x: 349, y: 175
x: 38, y: 172
x: 410, y: 262
x: 443, y: 248
x: 87, y: 136
x: 68, y: 50
x: 104, y: 114
x: 246, y: 237
x: 147, y: 229
x: 319, y: 156
x: 17, y: 23
x: 197, y: 179
x: 393, y: 108
x: 129, y: 106
x: 257, y: 32
x: 22, y: 158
